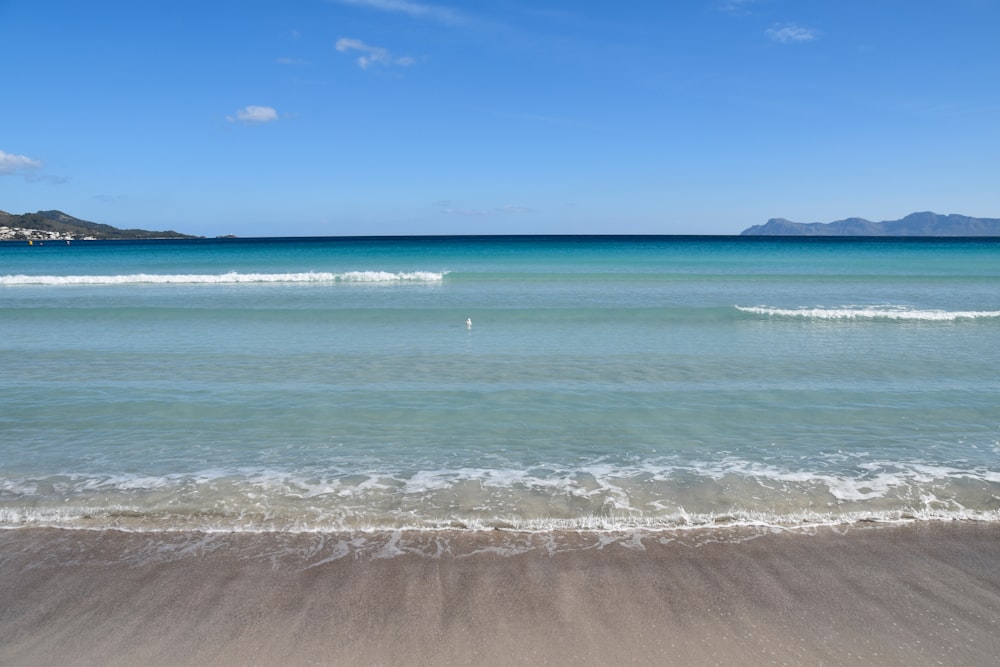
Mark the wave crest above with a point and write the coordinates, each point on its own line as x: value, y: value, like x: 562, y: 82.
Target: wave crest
x: 871, y: 313
x: 599, y: 496
x: 230, y: 278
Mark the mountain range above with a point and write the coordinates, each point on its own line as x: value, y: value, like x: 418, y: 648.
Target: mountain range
x: 915, y: 224
x: 56, y: 224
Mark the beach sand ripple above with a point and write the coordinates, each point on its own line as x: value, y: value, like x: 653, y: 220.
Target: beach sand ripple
x: 891, y: 595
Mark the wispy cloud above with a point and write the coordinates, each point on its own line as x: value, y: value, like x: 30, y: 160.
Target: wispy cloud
x: 449, y: 209
x: 110, y: 199
x: 737, y: 7
x: 29, y: 168
x: 13, y: 164
x: 542, y: 119
x: 513, y: 208
x: 465, y: 212
x: 412, y: 9
x: 254, y: 115
x: 372, y: 55
x: 789, y: 33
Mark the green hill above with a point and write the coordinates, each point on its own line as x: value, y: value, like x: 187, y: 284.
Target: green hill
x: 47, y: 223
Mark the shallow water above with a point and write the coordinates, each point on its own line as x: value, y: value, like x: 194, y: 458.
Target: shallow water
x: 604, y: 383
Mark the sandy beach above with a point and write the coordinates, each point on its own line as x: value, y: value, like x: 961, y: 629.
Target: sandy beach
x: 913, y: 595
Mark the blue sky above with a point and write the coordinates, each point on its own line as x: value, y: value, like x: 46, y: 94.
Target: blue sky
x: 358, y: 117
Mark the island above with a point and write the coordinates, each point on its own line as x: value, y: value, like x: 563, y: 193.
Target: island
x: 915, y: 224
x: 58, y: 226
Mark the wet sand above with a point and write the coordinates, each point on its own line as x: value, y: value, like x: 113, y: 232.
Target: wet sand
x: 908, y: 595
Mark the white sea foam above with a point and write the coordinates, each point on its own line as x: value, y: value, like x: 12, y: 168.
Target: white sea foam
x: 887, y: 312
x: 597, y: 496
x: 230, y: 278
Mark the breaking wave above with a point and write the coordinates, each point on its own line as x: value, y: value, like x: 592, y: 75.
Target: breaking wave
x: 871, y: 313
x: 230, y: 278
x: 597, y: 496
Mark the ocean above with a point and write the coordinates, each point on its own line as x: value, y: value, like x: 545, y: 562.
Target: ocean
x: 522, y: 384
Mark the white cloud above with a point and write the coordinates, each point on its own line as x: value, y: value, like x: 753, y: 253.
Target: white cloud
x: 371, y: 55
x: 413, y: 9
x: 788, y: 33
x: 254, y: 115
x: 11, y: 164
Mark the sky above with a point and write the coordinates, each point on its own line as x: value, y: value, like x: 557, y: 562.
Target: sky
x: 405, y: 117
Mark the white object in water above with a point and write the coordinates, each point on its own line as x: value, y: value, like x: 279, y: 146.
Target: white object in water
x: 468, y: 323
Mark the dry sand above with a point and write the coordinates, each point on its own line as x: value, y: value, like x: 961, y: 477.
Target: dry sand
x: 909, y: 595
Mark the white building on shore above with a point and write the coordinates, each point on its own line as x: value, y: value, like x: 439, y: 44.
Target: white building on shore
x: 22, y: 234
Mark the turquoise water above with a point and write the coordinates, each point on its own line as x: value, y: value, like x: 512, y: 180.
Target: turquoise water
x: 604, y: 382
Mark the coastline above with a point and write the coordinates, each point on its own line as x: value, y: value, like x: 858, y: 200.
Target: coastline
x: 922, y: 593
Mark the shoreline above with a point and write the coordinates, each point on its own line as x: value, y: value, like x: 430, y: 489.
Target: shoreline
x: 923, y: 593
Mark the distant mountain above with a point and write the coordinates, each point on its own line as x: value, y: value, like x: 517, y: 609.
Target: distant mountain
x: 915, y: 224
x: 58, y: 225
